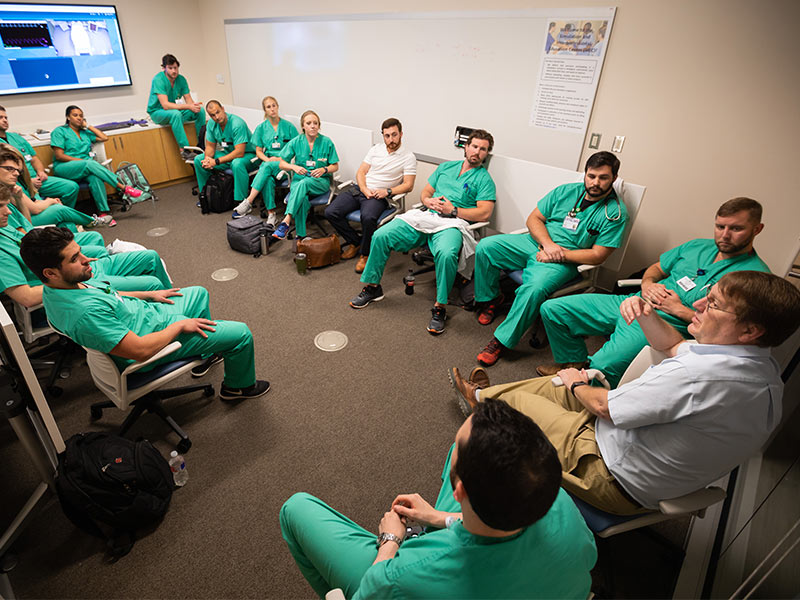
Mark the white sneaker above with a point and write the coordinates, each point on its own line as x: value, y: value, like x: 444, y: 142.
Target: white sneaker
x: 103, y: 219
x: 242, y: 209
x: 272, y: 219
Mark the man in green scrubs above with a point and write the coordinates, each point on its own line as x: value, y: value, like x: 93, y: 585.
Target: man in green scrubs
x: 133, y: 326
x: 574, y: 224
x: 228, y: 146
x: 457, y: 190
x: 48, y: 186
x: 128, y: 271
x: 682, y: 276
x: 167, y: 87
x: 501, y: 527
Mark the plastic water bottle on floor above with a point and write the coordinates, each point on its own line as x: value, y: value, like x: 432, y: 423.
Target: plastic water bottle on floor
x: 178, y: 467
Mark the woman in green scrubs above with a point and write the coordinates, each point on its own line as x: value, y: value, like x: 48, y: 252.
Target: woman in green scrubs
x: 73, y: 159
x: 315, y: 160
x: 269, y: 138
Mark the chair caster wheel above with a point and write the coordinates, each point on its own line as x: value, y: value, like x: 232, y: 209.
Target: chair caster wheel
x: 208, y: 391
x: 184, y: 445
x: 55, y: 391
x: 96, y: 413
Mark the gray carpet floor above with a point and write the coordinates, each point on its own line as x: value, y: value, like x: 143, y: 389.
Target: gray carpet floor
x: 354, y: 427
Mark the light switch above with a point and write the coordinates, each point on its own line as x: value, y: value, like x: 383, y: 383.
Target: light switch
x: 618, y: 142
x: 220, y: 78
x: 594, y: 141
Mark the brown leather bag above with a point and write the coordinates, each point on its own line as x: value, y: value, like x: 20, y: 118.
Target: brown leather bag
x: 321, y: 252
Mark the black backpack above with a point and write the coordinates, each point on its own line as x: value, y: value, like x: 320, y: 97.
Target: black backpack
x: 244, y: 234
x: 106, y: 479
x: 217, y: 195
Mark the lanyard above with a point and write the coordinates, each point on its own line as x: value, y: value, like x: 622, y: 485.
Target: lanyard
x: 576, y: 209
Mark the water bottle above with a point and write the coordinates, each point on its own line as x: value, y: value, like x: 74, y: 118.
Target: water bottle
x: 264, y: 243
x: 409, y: 281
x: 178, y: 467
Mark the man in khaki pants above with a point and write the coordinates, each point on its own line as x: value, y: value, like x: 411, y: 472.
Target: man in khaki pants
x: 686, y: 421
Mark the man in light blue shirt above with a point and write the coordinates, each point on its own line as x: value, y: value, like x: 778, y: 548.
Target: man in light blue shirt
x: 685, y: 422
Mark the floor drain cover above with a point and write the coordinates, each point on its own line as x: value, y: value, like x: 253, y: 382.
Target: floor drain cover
x: 224, y: 274
x: 158, y: 231
x: 330, y: 341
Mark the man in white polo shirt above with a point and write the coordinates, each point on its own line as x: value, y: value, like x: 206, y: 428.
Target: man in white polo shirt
x: 388, y: 169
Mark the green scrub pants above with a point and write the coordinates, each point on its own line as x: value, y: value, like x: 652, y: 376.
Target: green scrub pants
x: 231, y: 339
x: 511, y: 252
x: 400, y: 236
x: 298, y: 201
x: 568, y: 320
x: 264, y: 182
x: 175, y: 119
x: 240, y: 167
x: 61, y: 215
x: 64, y: 189
x: 132, y: 271
x: 331, y: 550
x: 95, y: 174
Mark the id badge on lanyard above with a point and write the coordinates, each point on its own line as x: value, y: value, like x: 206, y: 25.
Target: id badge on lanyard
x: 311, y: 164
x: 571, y: 223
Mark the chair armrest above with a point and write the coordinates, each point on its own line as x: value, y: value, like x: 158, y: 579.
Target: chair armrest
x: 417, y: 205
x: 629, y: 282
x: 518, y: 231
x: 106, y: 162
x: 196, y: 148
x: 477, y: 225
x: 591, y: 373
x: 168, y: 349
x: 584, y: 268
x: 345, y: 184
x: 693, y: 502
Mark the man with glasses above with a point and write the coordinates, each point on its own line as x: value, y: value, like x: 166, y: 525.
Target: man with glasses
x: 672, y: 285
x: 685, y: 422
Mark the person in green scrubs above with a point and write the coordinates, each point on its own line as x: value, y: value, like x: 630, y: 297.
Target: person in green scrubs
x: 458, y: 189
x: 47, y: 211
x: 500, y: 528
x: 672, y: 285
x: 168, y: 86
x: 228, y: 146
x: 315, y: 161
x: 574, y: 224
x: 133, y: 326
x: 73, y: 158
x: 141, y: 270
x: 269, y: 138
x: 45, y: 186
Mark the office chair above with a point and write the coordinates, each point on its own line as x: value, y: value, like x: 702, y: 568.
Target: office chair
x: 396, y: 206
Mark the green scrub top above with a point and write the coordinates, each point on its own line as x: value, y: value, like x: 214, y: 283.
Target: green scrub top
x: 13, y: 271
x: 21, y: 144
x: 98, y: 317
x: 74, y: 145
x: 324, y: 154
x: 271, y: 141
x: 463, y: 191
x: 593, y: 225
x: 162, y: 85
x: 695, y: 260
x: 236, y: 132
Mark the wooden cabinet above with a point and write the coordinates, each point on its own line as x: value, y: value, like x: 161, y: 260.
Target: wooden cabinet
x: 176, y: 167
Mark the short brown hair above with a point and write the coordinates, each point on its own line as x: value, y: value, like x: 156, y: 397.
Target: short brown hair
x: 391, y: 122
x: 765, y: 300
x: 735, y: 205
x: 481, y: 134
x: 217, y: 102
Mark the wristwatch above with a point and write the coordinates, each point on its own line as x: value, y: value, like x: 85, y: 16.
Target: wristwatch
x: 576, y: 384
x: 454, y: 212
x: 388, y: 537
x: 216, y: 160
x: 388, y: 192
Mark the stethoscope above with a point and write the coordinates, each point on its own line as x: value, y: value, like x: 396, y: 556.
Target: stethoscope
x: 575, y: 210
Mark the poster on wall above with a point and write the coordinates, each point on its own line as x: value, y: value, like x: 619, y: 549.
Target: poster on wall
x: 573, y: 55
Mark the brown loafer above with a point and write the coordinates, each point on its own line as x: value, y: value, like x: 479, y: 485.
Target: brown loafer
x: 480, y: 377
x: 464, y: 391
x: 361, y: 264
x: 552, y: 369
x: 350, y: 252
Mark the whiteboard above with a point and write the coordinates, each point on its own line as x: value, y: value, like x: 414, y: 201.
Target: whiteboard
x: 433, y: 71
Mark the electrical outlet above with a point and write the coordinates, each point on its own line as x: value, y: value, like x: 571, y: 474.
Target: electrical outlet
x: 220, y: 78
x: 618, y: 142
x: 594, y: 141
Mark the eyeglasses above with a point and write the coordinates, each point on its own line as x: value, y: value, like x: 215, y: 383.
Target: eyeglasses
x: 711, y: 304
x: 11, y: 169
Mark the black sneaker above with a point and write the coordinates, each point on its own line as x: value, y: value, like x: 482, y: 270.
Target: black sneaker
x: 259, y: 388
x: 370, y: 293
x: 205, y: 367
x: 438, y: 315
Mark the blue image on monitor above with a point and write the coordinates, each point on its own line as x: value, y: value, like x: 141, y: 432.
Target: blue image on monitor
x: 36, y: 72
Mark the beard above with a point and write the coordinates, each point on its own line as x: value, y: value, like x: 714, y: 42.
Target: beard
x: 730, y: 248
x: 597, y: 191
x: 84, y: 276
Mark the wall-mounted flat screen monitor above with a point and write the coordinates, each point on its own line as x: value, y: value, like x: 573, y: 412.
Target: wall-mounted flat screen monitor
x: 53, y: 47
